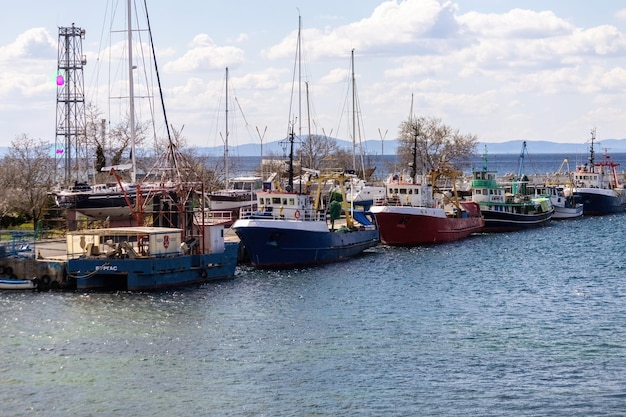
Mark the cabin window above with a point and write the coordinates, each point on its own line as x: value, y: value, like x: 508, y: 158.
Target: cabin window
x: 292, y: 201
x: 275, y: 200
x: 284, y: 202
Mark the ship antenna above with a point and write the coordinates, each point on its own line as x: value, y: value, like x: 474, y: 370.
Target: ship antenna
x: 484, y: 158
x: 591, y: 151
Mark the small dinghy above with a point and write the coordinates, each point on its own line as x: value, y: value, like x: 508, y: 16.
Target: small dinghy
x: 17, y: 284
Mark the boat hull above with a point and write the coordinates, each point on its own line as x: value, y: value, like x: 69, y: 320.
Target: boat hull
x: 17, y: 284
x: 287, y: 244
x: 598, y: 201
x: 500, y: 221
x: 406, y: 226
x: 153, y: 273
x: 562, y: 213
x: 98, y: 206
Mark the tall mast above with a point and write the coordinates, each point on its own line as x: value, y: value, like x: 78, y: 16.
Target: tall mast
x: 353, y: 115
x: 131, y: 94
x: 299, y: 52
x: 226, y: 134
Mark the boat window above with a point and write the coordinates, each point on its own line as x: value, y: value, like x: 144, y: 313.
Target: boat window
x: 284, y: 202
x: 292, y: 201
x: 276, y: 200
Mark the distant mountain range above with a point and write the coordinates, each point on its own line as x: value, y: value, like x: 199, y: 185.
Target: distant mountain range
x: 375, y: 147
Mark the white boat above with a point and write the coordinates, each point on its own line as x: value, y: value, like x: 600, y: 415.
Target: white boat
x: 565, y: 206
x: 240, y: 193
x: 363, y: 194
x: 17, y: 284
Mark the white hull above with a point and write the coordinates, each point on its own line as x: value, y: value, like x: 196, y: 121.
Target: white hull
x: 561, y: 213
x: 17, y: 284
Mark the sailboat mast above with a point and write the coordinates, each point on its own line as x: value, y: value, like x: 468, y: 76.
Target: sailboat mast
x: 353, y: 115
x: 299, y: 46
x: 131, y: 94
x: 226, y: 135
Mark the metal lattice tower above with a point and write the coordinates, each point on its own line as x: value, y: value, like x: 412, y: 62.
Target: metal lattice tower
x: 70, y: 140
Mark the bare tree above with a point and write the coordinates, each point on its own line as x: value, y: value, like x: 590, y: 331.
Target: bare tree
x: 95, y: 134
x: 27, y: 175
x: 431, y: 144
x: 121, y: 140
x: 318, y: 152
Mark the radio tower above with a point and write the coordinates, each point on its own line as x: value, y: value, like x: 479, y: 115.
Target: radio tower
x: 70, y: 139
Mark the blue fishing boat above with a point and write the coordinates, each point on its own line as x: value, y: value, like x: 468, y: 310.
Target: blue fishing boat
x: 290, y: 229
x: 597, y: 185
x: 148, y: 258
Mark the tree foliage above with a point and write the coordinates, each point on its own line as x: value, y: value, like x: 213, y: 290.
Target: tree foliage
x: 433, y: 145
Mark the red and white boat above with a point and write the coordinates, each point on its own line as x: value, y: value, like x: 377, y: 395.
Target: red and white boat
x: 416, y: 212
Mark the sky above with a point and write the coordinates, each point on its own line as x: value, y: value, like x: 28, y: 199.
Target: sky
x: 501, y: 70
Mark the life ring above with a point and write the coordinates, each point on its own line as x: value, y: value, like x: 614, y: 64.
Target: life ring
x: 8, y: 270
x: 1, y: 269
x: 45, y: 279
x: 203, y: 273
x: 296, y: 214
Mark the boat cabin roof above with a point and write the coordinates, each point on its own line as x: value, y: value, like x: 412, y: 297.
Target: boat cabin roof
x: 125, y: 231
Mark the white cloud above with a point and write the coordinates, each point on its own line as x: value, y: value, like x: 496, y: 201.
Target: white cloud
x: 203, y: 54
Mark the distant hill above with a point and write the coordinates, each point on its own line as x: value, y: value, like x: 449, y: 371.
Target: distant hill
x: 375, y: 147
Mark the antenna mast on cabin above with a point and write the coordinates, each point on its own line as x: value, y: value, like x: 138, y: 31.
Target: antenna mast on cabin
x: 70, y: 117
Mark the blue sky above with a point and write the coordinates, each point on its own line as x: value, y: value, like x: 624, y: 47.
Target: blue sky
x: 502, y: 70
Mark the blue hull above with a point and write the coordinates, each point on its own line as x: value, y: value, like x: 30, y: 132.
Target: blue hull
x: 153, y: 273
x: 597, y: 204
x: 269, y: 247
x: 496, y: 221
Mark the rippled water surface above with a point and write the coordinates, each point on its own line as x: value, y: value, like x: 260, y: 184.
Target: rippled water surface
x: 526, y: 324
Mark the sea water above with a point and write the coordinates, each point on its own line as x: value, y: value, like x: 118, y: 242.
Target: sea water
x: 504, y: 164
x: 518, y: 324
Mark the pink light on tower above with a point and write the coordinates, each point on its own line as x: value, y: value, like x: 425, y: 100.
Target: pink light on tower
x: 60, y: 80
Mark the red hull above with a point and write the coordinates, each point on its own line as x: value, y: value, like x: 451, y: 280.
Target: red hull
x: 404, y: 229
